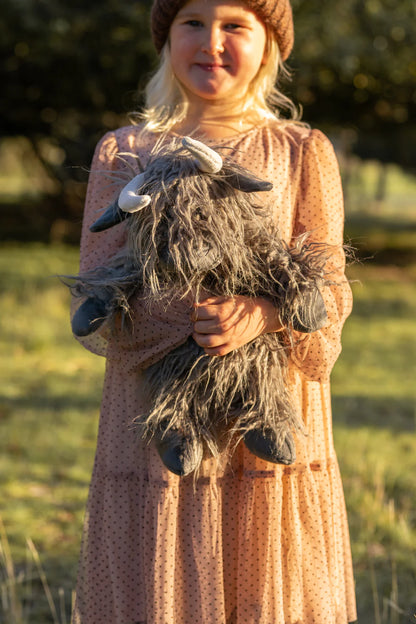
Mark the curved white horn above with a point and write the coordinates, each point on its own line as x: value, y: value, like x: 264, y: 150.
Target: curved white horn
x: 129, y: 199
x: 140, y: 202
x: 207, y: 159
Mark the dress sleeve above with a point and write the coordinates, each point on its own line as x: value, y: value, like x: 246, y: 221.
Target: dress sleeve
x: 151, y: 333
x: 320, y: 211
x: 97, y: 248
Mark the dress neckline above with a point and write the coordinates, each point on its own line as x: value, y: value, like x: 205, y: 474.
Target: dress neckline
x: 219, y: 140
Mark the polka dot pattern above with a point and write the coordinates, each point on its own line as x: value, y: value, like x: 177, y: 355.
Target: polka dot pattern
x: 249, y: 542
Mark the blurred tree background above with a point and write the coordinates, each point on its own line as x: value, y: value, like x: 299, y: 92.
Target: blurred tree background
x: 72, y: 71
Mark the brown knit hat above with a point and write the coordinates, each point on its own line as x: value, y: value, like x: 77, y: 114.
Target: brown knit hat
x: 277, y: 14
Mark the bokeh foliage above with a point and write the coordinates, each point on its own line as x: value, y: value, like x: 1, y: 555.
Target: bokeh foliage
x: 70, y: 71
x: 67, y: 72
x: 356, y: 68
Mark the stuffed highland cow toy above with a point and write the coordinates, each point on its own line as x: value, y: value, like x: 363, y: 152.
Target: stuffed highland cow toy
x: 196, y: 227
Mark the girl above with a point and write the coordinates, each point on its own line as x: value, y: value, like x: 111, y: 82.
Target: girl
x: 251, y: 542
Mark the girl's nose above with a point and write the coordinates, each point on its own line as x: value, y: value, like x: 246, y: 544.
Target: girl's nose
x: 213, y: 42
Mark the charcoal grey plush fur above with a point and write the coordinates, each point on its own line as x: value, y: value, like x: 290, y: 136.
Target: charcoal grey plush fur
x: 199, y: 232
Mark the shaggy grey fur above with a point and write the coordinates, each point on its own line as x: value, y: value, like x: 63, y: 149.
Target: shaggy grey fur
x: 201, y: 234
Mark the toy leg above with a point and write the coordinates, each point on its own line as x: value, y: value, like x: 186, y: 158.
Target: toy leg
x: 264, y: 444
x: 179, y: 454
x: 311, y: 315
x: 89, y: 317
x: 172, y: 422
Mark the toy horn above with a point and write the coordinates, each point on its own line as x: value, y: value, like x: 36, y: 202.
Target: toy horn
x: 129, y: 201
x: 206, y: 159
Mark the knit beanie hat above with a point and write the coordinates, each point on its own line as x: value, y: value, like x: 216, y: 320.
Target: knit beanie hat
x: 276, y: 14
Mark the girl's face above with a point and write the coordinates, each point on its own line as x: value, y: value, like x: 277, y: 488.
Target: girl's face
x: 216, y: 48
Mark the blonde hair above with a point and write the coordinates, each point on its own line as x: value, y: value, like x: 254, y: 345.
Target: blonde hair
x: 166, y: 102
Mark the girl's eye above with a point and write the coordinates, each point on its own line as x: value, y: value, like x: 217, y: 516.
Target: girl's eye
x: 232, y: 26
x: 194, y: 23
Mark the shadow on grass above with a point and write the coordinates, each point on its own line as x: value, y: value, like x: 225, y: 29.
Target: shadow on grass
x: 383, y: 308
x: 381, y: 412
x: 374, y: 221
x: 41, y: 401
x: 395, y: 414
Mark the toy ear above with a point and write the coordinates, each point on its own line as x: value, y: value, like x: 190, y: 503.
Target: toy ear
x: 248, y: 183
x: 112, y: 216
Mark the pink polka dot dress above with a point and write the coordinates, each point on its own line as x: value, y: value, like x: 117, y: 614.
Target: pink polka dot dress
x: 250, y: 542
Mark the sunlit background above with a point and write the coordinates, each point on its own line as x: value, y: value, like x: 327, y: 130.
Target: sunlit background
x: 69, y: 72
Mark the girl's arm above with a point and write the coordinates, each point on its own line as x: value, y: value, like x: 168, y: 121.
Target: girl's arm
x: 320, y: 211
x: 96, y: 249
x: 221, y: 325
x: 148, y: 337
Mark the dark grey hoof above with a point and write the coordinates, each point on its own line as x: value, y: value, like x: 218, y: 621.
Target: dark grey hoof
x: 89, y: 317
x: 262, y: 443
x: 312, y: 314
x: 180, y: 455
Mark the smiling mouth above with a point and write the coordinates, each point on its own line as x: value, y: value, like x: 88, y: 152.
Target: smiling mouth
x: 209, y: 67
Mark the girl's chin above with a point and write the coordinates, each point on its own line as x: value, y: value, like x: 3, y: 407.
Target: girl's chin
x: 211, y: 92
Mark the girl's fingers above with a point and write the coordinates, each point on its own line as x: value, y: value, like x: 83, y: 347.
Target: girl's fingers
x: 217, y: 314
x: 212, y: 300
x: 213, y: 306
x: 219, y: 351
x: 203, y: 313
x: 209, y: 326
x: 222, y: 324
x: 208, y: 341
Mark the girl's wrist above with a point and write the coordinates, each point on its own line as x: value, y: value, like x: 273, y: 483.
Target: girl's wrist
x: 271, y: 317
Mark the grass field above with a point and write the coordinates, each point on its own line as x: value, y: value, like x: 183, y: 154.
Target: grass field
x: 49, y: 401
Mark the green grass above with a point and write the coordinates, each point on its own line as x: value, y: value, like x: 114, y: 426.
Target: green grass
x: 49, y: 401
x: 374, y: 403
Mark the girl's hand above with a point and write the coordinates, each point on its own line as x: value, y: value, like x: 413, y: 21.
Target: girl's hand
x: 222, y: 324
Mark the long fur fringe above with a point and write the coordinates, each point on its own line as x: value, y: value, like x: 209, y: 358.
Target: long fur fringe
x: 201, y: 234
